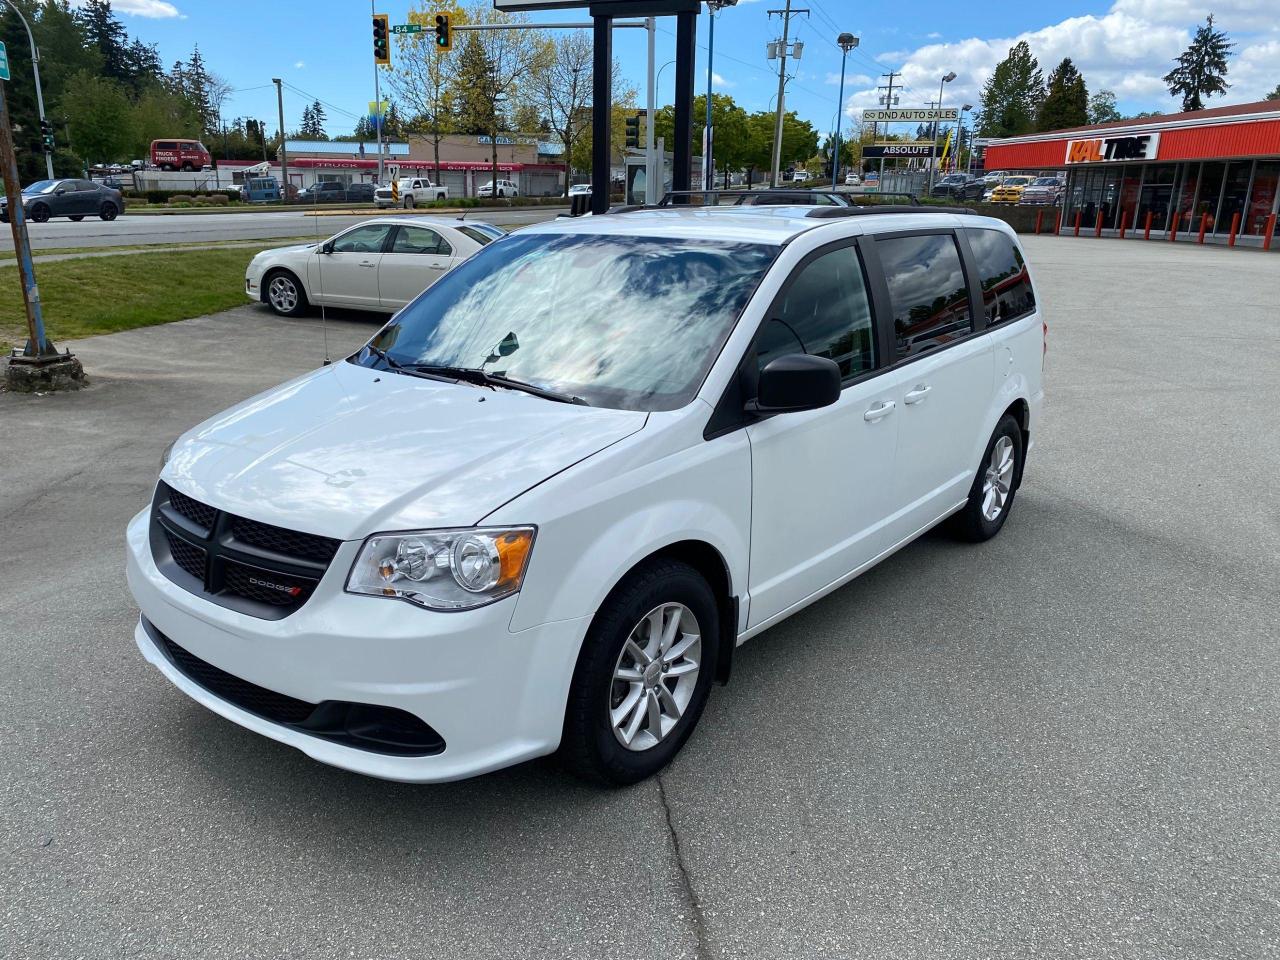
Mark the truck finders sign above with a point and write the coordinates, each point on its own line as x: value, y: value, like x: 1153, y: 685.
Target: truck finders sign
x: 1113, y: 149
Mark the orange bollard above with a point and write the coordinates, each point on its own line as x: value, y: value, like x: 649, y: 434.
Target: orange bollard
x: 1235, y: 228
x: 1270, y: 232
x: 1097, y: 230
x: 1124, y: 222
x: 1077, y: 223
x: 1173, y: 230
x: 1147, y: 233
x: 1039, y: 219
x: 1204, y: 225
x: 1057, y: 223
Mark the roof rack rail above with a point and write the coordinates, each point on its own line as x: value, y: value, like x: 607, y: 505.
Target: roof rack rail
x: 831, y: 213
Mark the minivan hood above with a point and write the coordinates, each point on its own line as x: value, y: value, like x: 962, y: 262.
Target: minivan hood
x: 347, y: 451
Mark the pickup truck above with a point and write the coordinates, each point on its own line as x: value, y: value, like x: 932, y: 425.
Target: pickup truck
x: 413, y: 190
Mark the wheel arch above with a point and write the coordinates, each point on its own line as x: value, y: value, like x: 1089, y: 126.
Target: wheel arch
x: 272, y: 270
x: 1020, y: 410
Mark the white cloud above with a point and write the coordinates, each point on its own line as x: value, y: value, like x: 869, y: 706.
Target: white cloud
x: 850, y: 80
x: 299, y: 65
x: 153, y: 9
x: 721, y: 82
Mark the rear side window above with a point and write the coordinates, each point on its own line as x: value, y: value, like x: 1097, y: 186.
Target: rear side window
x: 1006, y: 284
x: 479, y: 236
x: 825, y: 312
x: 166, y: 145
x: 927, y: 291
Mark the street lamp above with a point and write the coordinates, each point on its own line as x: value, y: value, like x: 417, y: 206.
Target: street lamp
x: 933, y: 150
x: 960, y: 137
x: 847, y: 42
x: 708, y: 166
x: 45, y: 129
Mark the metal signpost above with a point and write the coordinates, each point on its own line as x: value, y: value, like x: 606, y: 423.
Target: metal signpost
x: 4, y: 61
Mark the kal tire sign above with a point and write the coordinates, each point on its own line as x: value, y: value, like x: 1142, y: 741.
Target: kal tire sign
x: 1113, y: 149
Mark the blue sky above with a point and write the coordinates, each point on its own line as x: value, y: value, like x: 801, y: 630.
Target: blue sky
x: 322, y: 49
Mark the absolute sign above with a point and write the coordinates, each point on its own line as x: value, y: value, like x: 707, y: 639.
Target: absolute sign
x: 1113, y: 149
x: 898, y: 150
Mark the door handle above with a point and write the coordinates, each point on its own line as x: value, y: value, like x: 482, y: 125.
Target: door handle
x: 881, y: 409
x: 917, y: 393
x: 366, y: 263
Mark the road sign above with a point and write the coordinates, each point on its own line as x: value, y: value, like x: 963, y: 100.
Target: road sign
x: 4, y: 62
x: 920, y: 115
x: 408, y: 28
x: 898, y: 150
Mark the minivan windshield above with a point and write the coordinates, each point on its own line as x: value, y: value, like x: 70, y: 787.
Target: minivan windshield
x: 619, y: 321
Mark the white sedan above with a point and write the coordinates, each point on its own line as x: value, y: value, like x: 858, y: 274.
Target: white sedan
x: 377, y: 265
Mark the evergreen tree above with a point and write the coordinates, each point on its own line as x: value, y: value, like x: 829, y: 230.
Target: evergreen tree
x: 1201, y: 70
x: 1066, y: 101
x: 1102, y: 107
x: 317, y: 121
x: 1012, y: 96
x: 1274, y: 94
x: 198, y: 84
x: 142, y: 66
x: 106, y: 35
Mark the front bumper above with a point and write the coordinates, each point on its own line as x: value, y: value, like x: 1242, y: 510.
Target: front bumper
x: 495, y: 697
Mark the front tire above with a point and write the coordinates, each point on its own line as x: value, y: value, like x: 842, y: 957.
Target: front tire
x: 108, y: 211
x: 409, y: 203
x: 39, y: 213
x: 993, y: 490
x: 643, y: 675
x: 285, y: 294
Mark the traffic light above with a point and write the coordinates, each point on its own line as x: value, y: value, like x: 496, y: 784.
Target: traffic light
x: 46, y: 135
x: 444, y: 37
x: 633, y: 132
x: 381, y: 40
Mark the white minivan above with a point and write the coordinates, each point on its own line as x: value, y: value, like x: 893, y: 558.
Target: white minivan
x: 542, y: 506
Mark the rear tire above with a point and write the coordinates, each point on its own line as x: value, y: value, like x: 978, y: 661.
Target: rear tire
x: 643, y: 675
x: 409, y: 203
x: 284, y: 293
x: 993, y: 490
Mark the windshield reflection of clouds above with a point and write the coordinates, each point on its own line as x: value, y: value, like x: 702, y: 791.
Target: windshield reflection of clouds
x: 629, y: 322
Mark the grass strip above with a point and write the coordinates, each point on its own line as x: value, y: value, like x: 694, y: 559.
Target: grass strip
x: 261, y: 243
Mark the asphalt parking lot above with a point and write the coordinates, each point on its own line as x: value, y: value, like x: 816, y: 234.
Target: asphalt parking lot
x: 1061, y: 743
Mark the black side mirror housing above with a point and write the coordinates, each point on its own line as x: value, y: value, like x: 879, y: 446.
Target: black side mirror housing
x: 796, y: 382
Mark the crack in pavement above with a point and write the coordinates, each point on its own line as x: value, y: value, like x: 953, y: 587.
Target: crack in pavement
x: 703, y: 945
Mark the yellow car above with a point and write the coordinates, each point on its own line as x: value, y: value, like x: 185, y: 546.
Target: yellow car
x: 1010, y: 189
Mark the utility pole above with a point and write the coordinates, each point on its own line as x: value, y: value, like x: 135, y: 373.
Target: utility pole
x: 284, y: 154
x: 786, y: 15
x: 888, y: 101
x: 45, y: 129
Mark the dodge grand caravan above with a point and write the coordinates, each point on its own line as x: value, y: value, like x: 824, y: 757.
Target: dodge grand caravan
x: 540, y: 508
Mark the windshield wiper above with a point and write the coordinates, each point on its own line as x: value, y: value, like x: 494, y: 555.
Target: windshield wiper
x: 484, y: 379
x: 409, y: 370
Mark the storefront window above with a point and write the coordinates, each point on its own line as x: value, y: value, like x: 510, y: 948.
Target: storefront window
x: 1210, y: 191
x: 1187, y: 196
x: 1234, y: 194
x: 1127, y: 208
x: 1262, y: 198
x: 1157, y: 196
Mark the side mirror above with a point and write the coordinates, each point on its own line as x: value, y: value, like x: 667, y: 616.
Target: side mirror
x: 60, y: 191
x: 796, y: 382
x: 325, y: 247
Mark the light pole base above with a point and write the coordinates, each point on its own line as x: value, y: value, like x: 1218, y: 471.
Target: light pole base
x: 44, y: 374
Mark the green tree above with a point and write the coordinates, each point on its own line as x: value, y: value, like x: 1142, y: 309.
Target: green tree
x: 1201, y: 69
x: 1102, y: 107
x: 100, y: 117
x: 424, y: 80
x: 106, y: 35
x: 1011, y: 97
x: 732, y: 147
x: 1274, y: 94
x: 1066, y: 100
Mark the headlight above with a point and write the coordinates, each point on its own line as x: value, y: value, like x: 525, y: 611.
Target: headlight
x: 164, y: 457
x: 443, y: 569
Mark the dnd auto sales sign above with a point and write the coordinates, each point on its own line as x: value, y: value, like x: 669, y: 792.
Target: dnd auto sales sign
x: 1113, y: 149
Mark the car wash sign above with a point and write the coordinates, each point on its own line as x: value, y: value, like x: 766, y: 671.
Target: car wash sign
x: 1113, y: 149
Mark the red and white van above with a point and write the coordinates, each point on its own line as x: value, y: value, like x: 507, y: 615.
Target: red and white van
x: 179, y: 154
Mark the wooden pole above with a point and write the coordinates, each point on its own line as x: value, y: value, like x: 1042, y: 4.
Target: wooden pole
x: 38, y: 344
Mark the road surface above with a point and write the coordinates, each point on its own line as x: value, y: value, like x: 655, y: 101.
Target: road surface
x: 214, y: 227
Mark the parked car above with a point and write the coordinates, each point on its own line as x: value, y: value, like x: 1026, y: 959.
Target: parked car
x: 1010, y: 189
x: 360, y: 193
x: 503, y: 527
x: 851, y: 179
x: 1043, y: 191
x: 378, y: 265
x: 505, y: 189
x: 413, y: 191
x: 180, y: 155
x: 958, y: 186
x: 324, y: 191
x: 580, y: 190
x: 260, y: 190
x: 799, y: 176
x: 74, y: 199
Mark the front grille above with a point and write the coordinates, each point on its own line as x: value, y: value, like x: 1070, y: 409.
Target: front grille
x: 279, y: 540
x: 253, y: 567
x: 189, y: 558
x: 364, y: 726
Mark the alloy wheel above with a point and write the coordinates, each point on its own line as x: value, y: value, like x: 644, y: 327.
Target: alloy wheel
x: 998, y: 480
x: 655, y: 676
x: 283, y: 294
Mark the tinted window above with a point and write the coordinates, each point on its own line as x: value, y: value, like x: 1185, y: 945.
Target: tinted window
x: 825, y: 312
x: 926, y: 290
x: 364, y: 239
x: 86, y: 185
x: 621, y: 321
x: 1006, y: 285
x: 479, y: 236
x: 166, y: 145
x: 420, y: 240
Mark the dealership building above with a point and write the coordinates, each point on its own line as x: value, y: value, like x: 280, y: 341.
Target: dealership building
x: 1215, y: 169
